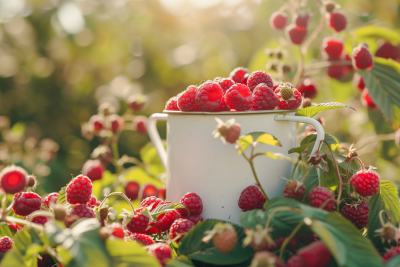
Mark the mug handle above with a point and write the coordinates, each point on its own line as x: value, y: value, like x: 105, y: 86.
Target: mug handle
x: 155, y: 136
x: 318, y: 127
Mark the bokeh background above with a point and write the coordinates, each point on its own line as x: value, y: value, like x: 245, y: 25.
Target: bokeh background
x: 60, y: 59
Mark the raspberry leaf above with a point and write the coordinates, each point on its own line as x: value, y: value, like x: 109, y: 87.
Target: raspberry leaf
x: 257, y: 137
x: 309, y: 141
x: 5, y: 230
x: 315, y: 109
x: 62, y: 198
x: 374, y: 32
x: 393, y: 262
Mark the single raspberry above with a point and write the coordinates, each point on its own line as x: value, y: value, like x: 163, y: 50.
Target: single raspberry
x: 315, y: 255
x: 358, y: 82
x: 196, y: 218
x: 165, y: 220
x: 278, y: 20
x: 238, y: 75
x: 92, y: 203
x: 138, y: 224
x: 46, y: 261
x: 96, y: 124
x: 193, y: 203
x: 180, y: 226
x: 223, y: 106
x: 251, y: 198
x: 301, y: 20
x: 79, y: 190
x: 116, y: 122
x: 226, y: 83
x: 366, y: 183
x: 332, y: 46
x: 148, y: 190
x: 390, y: 254
x: 137, y: 102
x: 187, y: 99
x: 225, y: 241
x: 289, y: 99
x: 5, y: 244
x: 13, y: 179
x: 161, y: 251
x: 362, y: 58
x: 143, y: 239
x: 294, y: 189
x: 336, y: 71
x: 264, y: 98
x: 295, y: 261
x: 26, y: 202
x: 239, y: 97
x: 337, y: 21
x: 357, y: 213
x: 258, y: 77
x: 151, y: 203
x: 172, y: 104
x: 387, y: 50
x: 93, y: 169
x: 296, y: 34
x: 50, y: 199
x: 132, y: 189
x: 140, y: 124
x: 38, y: 219
x: 209, y: 96
x: 117, y: 230
x: 366, y: 100
x: 162, y: 193
x: 307, y: 88
x: 318, y: 196
x: 264, y: 259
x: 78, y: 212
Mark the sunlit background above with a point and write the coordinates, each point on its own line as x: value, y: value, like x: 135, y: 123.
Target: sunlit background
x: 60, y: 59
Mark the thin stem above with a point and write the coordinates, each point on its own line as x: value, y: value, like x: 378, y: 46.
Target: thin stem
x: 40, y: 213
x: 281, y: 209
x: 115, y: 153
x: 8, y: 208
x: 118, y: 194
x: 375, y: 138
x: 381, y: 219
x: 313, y: 35
x: 287, y: 239
x: 326, y: 203
x: 350, y: 161
x: 294, y: 168
x: 36, y: 226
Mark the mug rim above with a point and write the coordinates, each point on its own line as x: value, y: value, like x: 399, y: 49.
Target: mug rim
x: 249, y: 112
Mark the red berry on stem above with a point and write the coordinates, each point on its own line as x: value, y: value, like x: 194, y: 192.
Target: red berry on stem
x: 138, y: 224
x: 209, y: 96
x: 251, y: 198
x: 226, y: 83
x: 116, y: 122
x: 264, y: 98
x: 301, y: 20
x: 318, y: 196
x: 96, y: 124
x: 307, y: 88
x: 187, y: 99
x: 390, y: 254
x: 162, y: 193
x: 140, y: 124
x: 180, y: 226
x: 117, y: 230
x: 161, y: 251
x: 278, y: 20
x: 164, y: 221
x: 144, y: 239
x: 26, y: 202
x: 239, y: 97
x: 366, y: 100
x: 148, y: 190
x: 366, y: 183
x: 387, y: 50
x: 239, y: 74
x: 5, y: 244
x: 193, y: 203
x: 362, y: 58
x: 38, y: 219
x: 337, y: 21
x: 196, y: 218
x: 258, y: 77
x: 357, y: 213
x: 332, y: 46
x: 132, y: 190
x: 78, y: 212
x: 13, y: 179
x: 290, y: 98
x: 296, y: 34
x: 137, y: 102
x: 358, y: 82
x: 51, y: 198
x: 79, y: 190
x: 93, y: 169
x: 294, y: 189
x: 172, y: 104
x: 314, y: 255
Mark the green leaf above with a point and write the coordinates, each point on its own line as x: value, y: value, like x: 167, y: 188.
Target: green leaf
x: 11, y: 258
x: 166, y: 208
x: 330, y: 179
x: 310, y: 182
x: 393, y: 262
x: 250, y: 219
x: 315, y: 109
x: 257, y: 137
x: 5, y: 230
x: 378, y: 32
x: 61, y: 196
x: 180, y: 262
x: 309, y: 141
x: 148, y: 153
x: 195, y: 249
x: 383, y: 83
x: 387, y: 200
x: 129, y: 254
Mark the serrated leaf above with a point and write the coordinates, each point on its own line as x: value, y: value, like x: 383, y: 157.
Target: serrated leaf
x: 383, y: 83
x: 62, y: 197
x: 309, y: 141
x: 258, y: 137
x: 386, y: 199
x: 311, y: 181
x: 315, y: 109
x: 166, y: 208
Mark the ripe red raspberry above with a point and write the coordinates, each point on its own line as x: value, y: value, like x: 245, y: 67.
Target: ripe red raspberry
x: 79, y: 190
x: 51, y: 198
x: 187, y: 99
x: 196, y: 218
x: 140, y: 124
x: 38, y: 219
x: 180, y: 226
x: 390, y: 254
x: 362, y: 58
x: 117, y: 230
x: 357, y: 213
x: 148, y: 190
x: 264, y: 98
x: 96, y: 124
x: 318, y: 196
x: 387, y: 50
x: 137, y: 102
x: 332, y: 46
x: 301, y: 20
x: 77, y: 212
x: 93, y: 169
x: 165, y: 220
x: 278, y: 20
x: 239, y: 97
x: 172, y: 104
x: 296, y: 34
x: 307, y: 88
x: 294, y: 189
x: 366, y: 183
x: 143, y: 239
x: 161, y: 251
x: 13, y: 179
x: 162, y: 193
x: 358, y: 82
x: 337, y: 21
x: 151, y: 203
x: 258, y: 77
x: 93, y: 202
x: 26, y: 202
x: 314, y: 255
x: 193, y: 203
x: 209, y: 96
x: 46, y: 261
x: 251, y: 198
x: 225, y: 241
x: 131, y: 189
x: 226, y: 83
x: 137, y: 224
x: 288, y: 103
x: 115, y: 122
x: 5, y: 244
x: 295, y: 261
x: 366, y: 100
x: 238, y: 75
x: 336, y: 71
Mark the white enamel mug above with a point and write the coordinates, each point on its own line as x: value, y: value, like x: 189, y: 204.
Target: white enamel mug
x: 196, y: 162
